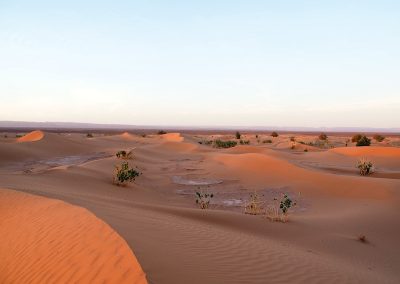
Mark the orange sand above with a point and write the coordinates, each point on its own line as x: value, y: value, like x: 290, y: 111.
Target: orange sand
x: 32, y: 136
x: 49, y: 241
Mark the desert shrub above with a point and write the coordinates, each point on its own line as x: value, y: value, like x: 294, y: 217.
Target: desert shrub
x: 365, y: 166
x: 254, y: 206
x: 356, y: 138
x: 224, y: 144
x: 244, y: 142
x: 18, y: 135
x: 364, y: 141
x: 206, y: 142
x: 279, y: 210
x: 144, y: 135
x: 379, y: 138
x: 274, y: 134
x: 362, y: 238
x: 124, y: 174
x: 124, y: 155
x: 292, y: 138
x: 305, y: 150
x: 323, y: 136
x: 238, y: 135
x: 161, y: 132
x: 5, y: 135
x: 292, y: 147
x: 203, y: 199
x: 89, y: 135
x: 256, y: 136
x: 267, y: 141
x: 302, y: 142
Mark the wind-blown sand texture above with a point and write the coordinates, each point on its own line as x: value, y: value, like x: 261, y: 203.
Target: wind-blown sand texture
x: 49, y: 241
x: 176, y: 242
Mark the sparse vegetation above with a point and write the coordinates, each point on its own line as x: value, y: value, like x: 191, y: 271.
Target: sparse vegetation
x: 292, y: 138
x: 203, y: 199
x: 365, y: 166
x: 379, y: 138
x: 124, y: 155
x: 279, y: 210
x: 363, y: 141
x: 224, y: 144
x: 89, y: 135
x: 274, y: 134
x: 244, y: 142
x: 306, y: 150
x: 254, y: 206
x: 267, y: 141
x: 124, y: 174
x: 161, y: 132
x: 238, y: 135
x: 362, y: 238
x: 18, y: 135
x: 323, y: 136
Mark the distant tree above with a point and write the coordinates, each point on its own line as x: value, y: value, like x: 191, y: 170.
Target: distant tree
x: 274, y: 134
x: 364, y: 141
x: 356, y: 137
x: 238, y: 135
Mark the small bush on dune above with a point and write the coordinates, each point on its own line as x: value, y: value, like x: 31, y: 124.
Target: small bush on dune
x: 238, y: 135
x: 379, y: 138
x: 244, y: 142
x: 224, y: 144
x: 365, y: 166
x: 161, y: 132
x: 305, y: 150
x: 203, y: 199
x: 124, y: 174
x: 279, y: 211
x: 89, y: 135
x: 274, y: 134
x: 124, y: 155
x: 364, y: 141
x: 292, y: 138
x: 323, y: 136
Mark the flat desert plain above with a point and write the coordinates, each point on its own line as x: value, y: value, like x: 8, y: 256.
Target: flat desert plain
x: 64, y: 221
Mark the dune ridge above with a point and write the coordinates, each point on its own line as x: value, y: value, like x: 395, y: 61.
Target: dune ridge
x: 45, y: 240
x: 31, y: 136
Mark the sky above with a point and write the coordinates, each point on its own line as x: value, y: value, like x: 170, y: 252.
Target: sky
x: 201, y: 63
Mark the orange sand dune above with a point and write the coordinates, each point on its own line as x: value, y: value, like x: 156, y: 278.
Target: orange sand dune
x: 48, y: 241
x: 172, y: 137
x: 373, y: 151
x: 127, y: 136
x: 32, y: 136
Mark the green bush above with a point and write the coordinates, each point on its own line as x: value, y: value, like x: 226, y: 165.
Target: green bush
x: 274, y: 134
x: 364, y: 141
x: 224, y: 144
x: 123, y: 174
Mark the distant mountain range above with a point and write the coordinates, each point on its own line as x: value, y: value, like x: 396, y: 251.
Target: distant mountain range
x: 77, y: 125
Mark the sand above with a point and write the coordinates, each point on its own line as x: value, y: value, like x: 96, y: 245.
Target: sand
x: 31, y: 137
x: 176, y: 242
x: 49, y: 241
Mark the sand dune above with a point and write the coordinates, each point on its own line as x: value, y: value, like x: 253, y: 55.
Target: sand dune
x: 44, y: 240
x: 172, y: 137
x: 175, y: 242
x: 32, y: 136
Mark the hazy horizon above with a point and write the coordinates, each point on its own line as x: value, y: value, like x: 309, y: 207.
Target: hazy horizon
x: 232, y: 63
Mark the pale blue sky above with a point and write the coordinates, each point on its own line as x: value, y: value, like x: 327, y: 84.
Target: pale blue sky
x: 209, y: 63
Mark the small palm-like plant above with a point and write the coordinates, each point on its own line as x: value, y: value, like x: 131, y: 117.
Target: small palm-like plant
x: 203, y: 199
x: 365, y: 166
x: 124, y: 174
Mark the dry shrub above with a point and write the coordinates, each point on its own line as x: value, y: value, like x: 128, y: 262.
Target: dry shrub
x: 365, y: 166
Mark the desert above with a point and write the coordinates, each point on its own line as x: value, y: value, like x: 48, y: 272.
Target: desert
x: 57, y: 187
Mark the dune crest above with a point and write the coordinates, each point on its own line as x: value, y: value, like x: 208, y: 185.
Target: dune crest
x: 32, y: 136
x: 173, y: 137
x: 49, y: 241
